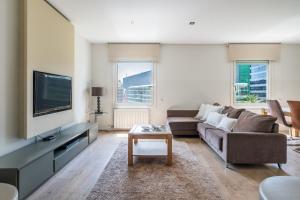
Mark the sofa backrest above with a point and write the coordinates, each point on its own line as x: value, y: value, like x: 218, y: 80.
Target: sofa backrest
x: 182, y: 113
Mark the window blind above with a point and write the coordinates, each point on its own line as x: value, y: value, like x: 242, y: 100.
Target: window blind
x: 254, y: 52
x: 134, y: 52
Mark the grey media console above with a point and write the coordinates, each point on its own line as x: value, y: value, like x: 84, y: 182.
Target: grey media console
x: 29, y: 167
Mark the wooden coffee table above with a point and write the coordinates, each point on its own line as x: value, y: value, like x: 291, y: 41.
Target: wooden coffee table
x: 155, y: 148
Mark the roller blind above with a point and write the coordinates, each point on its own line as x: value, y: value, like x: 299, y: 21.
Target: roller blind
x: 254, y: 52
x: 134, y: 52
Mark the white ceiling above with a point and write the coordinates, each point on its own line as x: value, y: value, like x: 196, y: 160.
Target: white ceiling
x: 166, y: 21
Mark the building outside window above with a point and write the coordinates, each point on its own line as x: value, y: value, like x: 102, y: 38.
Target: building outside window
x: 135, y: 83
x: 251, y: 82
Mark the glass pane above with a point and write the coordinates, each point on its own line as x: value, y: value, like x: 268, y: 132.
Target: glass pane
x: 251, y: 82
x: 134, y: 82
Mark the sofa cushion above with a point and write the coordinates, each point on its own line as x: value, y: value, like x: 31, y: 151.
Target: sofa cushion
x: 227, y: 123
x: 212, y: 109
x: 232, y: 112
x: 201, y: 127
x: 215, y: 138
x: 205, y: 109
x: 214, y: 118
x: 202, y: 111
x: 182, y: 123
x: 251, y: 122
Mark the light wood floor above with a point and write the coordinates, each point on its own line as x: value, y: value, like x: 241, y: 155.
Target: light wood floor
x: 75, y: 180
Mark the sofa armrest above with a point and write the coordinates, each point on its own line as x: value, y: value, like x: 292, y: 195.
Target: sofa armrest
x: 256, y: 148
x: 182, y: 113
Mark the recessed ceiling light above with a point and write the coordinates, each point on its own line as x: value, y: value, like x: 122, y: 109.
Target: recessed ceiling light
x: 192, y: 23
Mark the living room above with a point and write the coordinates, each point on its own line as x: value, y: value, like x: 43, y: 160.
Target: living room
x: 137, y: 91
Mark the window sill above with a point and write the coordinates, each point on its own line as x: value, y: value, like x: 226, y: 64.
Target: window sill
x: 133, y: 106
x: 251, y: 107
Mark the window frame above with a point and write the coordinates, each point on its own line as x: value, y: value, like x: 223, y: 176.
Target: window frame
x: 268, y: 93
x: 115, y: 86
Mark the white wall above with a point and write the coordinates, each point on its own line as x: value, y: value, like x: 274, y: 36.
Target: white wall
x: 82, y: 79
x: 188, y: 75
x: 102, y: 75
x: 10, y: 67
x: 285, y: 75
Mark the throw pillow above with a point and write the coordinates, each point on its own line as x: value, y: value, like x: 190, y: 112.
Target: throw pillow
x: 214, y: 118
x: 251, y: 122
x: 202, y: 111
x: 232, y: 112
x: 211, y: 108
x: 227, y: 124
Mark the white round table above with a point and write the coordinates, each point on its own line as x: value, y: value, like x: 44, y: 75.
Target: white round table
x: 8, y: 192
x: 279, y: 188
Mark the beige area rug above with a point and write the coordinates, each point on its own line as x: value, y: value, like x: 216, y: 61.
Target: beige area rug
x: 188, y: 178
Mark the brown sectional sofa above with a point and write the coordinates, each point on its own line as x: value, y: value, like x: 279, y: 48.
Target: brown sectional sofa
x: 233, y: 147
x: 182, y: 122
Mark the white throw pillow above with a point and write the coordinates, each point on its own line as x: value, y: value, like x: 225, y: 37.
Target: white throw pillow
x: 202, y: 111
x: 214, y: 118
x: 211, y: 108
x: 226, y: 123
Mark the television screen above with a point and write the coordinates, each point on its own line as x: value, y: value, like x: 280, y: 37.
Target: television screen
x: 51, y: 93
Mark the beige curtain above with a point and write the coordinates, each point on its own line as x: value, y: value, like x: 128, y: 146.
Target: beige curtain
x: 254, y: 52
x: 134, y: 52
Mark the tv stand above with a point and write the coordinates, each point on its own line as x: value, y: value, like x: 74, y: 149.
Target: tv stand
x: 29, y: 167
x: 48, y: 138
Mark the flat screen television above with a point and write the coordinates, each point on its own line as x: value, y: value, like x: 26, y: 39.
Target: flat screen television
x: 51, y: 93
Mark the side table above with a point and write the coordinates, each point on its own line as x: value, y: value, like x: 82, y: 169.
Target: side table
x: 96, y: 115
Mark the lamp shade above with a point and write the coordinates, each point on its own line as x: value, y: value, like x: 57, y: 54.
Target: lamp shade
x: 97, y: 91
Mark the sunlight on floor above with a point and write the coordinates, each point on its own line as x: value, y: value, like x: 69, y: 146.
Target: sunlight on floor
x: 122, y: 135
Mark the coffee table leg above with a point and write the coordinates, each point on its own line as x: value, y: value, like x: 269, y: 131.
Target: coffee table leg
x: 130, y: 149
x: 169, y: 158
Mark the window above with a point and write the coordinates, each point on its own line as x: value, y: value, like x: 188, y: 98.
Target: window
x: 134, y: 83
x: 251, y: 82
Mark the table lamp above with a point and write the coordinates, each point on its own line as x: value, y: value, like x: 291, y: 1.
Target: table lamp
x: 98, y: 92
